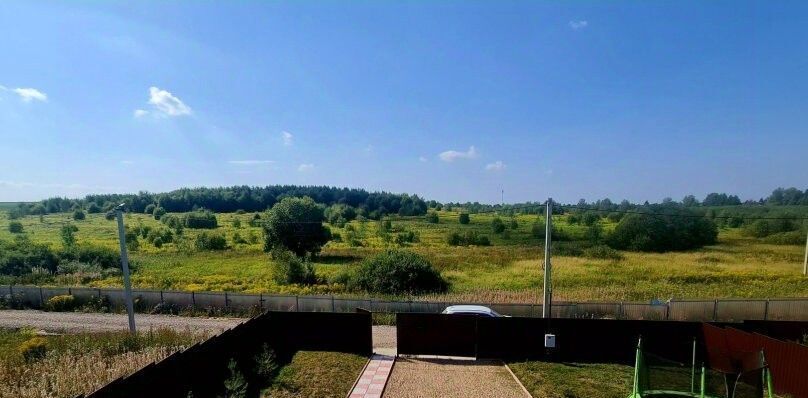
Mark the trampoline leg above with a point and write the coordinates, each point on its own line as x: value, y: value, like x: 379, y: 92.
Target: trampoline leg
x: 769, y: 385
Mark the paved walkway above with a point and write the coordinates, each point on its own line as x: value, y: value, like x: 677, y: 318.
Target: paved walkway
x: 374, y: 377
x: 450, y: 378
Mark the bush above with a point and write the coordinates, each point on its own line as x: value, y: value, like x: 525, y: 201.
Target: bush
x: 513, y: 224
x: 406, y: 237
x: 210, y: 241
x: 497, y: 226
x: 399, y: 272
x: 102, y: 256
x: 602, y: 252
x: 288, y: 268
x: 297, y: 225
x: 33, y: 349
x: 61, y: 303
x: 432, y: 217
x: 93, y: 208
x: 15, y: 227
x: 590, y: 218
x: 21, y: 255
x: 149, y: 208
x: 786, y: 238
x: 158, y: 212
x: 109, y: 216
x: 467, y: 238
x: 674, y: 228
x: 79, y: 215
x: 463, y: 218
x: 200, y: 219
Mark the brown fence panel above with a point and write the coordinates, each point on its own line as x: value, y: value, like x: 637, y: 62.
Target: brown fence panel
x: 788, y: 363
x: 436, y: 334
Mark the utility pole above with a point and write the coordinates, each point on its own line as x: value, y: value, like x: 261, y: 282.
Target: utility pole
x: 805, y: 262
x: 546, y: 308
x: 127, y: 284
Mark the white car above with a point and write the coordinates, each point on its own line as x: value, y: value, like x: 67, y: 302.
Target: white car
x: 472, y: 310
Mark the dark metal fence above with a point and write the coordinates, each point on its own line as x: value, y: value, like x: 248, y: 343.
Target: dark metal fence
x: 725, y: 310
x: 201, y: 369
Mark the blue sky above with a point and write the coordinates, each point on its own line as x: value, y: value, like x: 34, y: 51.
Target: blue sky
x: 451, y: 100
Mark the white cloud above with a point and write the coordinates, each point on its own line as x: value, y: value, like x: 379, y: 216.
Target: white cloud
x: 576, y: 25
x: 496, y: 166
x: 164, y: 104
x: 250, y: 162
x: 452, y: 155
x: 422, y: 159
x: 288, y: 138
x: 27, y: 94
x: 127, y: 162
x: 305, y: 167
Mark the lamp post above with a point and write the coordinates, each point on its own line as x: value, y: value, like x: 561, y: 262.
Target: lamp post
x: 127, y: 284
x: 546, y: 308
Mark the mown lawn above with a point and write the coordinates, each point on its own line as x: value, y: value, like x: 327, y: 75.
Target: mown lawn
x: 574, y: 380
x: 508, y: 271
x: 317, y: 374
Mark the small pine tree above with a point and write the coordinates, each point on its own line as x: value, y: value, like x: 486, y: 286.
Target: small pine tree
x: 235, y: 386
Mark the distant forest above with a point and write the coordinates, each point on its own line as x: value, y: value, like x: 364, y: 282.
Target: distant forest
x: 371, y: 205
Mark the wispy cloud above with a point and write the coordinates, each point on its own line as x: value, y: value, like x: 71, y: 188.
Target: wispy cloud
x: 422, y: 159
x: 27, y: 94
x: 288, y: 138
x: 577, y: 25
x: 305, y: 167
x: 250, y: 162
x: 127, y: 162
x: 452, y: 155
x: 496, y: 166
x: 163, y: 104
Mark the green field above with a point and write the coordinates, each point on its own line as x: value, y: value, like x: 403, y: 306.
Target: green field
x: 507, y: 271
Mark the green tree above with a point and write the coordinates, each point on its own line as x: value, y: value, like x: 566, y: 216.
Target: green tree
x: 158, y: 212
x: 68, y: 235
x: 149, y: 208
x: 288, y: 268
x: 297, y: 225
x: 432, y: 217
x: 93, y: 208
x: 671, y: 228
x: 463, y: 218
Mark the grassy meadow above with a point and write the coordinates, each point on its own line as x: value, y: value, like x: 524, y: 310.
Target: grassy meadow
x: 509, y: 270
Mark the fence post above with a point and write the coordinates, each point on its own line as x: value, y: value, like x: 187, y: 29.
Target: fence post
x: 766, y: 311
x: 333, y: 305
x: 69, y: 291
x: 668, y: 310
x: 226, y: 304
x: 99, y: 292
x: 193, y: 300
x: 297, y: 303
x: 620, y: 312
x: 41, y: 298
x: 261, y: 300
x: 162, y: 300
x: 371, y: 305
x: 715, y: 310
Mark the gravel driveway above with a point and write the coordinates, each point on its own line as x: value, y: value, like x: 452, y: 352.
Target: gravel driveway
x: 384, y: 337
x: 427, y: 378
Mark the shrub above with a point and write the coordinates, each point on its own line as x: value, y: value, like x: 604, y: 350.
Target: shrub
x: 21, y: 255
x: 406, y: 237
x: 61, y: 303
x: 602, y: 252
x: 236, y: 222
x: 432, y: 217
x: 210, y: 241
x: 288, y: 268
x: 200, y: 219
x: 236, y: 385
x: 297, y: 225
x: 463, y: 218
x: 93, y: 208
x: 615, y: 216
x: 33, y: 349
x: 590, y: 218
x: 15, y: 227
x: 266, y: 363
x: 467, y: 238
x: 79, y: 215
x: 513, y: 224
x: 132, y: 242
x: 157, y: 242
x: 786, y: 238
x: 399, y: 272
x: 68, y: 235
x: 158, y: 212
x: 673, y: 228
x: 109, y: 216
x: 497, y: 226
x: 149, y: 208
x: 102, y: 256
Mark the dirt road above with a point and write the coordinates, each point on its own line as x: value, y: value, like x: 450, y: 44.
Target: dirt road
x: 384, y: 337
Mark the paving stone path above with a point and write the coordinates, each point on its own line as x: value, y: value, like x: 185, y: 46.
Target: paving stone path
x: 374, y: 377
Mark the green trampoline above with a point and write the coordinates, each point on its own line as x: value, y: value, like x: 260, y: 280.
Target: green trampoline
x: 743, y: 375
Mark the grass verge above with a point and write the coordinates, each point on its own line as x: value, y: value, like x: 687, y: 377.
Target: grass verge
x: 317, y: 374
x: 574, y: 380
